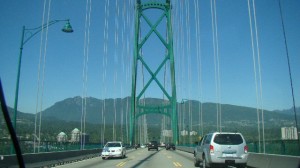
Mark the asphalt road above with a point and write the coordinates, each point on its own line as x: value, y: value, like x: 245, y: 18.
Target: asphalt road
x: 141, y: 158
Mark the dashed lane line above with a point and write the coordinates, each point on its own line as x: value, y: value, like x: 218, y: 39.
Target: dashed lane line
x: 121, y: 164
x: 177, y: 164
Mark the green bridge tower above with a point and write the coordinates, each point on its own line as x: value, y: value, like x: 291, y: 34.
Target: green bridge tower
x: 168, y: 108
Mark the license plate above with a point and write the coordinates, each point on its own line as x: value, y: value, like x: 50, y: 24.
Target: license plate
x: 229, y: 162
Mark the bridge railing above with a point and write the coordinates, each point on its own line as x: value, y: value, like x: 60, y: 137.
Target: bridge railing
x: 46, y: 146
x: 282, y: 147
x: 259, y: 160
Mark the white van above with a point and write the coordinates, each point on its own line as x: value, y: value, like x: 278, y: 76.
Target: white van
x: 220, y: 149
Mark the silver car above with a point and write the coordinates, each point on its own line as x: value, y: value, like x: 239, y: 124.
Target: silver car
x: 221, y: 149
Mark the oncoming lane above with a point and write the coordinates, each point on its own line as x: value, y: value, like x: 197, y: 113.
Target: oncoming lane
x: 141, y: 158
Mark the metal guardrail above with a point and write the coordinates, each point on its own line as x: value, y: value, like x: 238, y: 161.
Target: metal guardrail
x: 281, y: 147
x: 50, y: 159
x: 259, y: 160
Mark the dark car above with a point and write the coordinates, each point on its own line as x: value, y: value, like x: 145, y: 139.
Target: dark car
x: 170, y: 146
x: 153, y: 145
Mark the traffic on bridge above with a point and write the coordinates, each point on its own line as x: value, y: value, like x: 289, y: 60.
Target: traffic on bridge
x: 141, y: 158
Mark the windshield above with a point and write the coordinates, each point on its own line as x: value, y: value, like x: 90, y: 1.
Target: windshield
x: 113, y: 145
x: 228, y: 139
x: 153, y: 142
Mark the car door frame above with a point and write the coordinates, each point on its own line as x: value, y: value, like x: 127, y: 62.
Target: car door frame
x: 199, y: 149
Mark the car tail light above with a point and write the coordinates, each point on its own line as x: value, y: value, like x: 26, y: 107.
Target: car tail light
x: 211, y: 149
x: 246, y: 149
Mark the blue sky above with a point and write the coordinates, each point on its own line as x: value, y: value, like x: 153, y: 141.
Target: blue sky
x: 109, y: 71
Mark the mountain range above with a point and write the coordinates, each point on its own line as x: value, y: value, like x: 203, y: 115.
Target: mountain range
x: 95, y: 111
x: 67, y: 114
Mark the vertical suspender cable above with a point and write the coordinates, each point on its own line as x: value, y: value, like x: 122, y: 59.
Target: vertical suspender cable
x: 260, y: 77
x: 290, y: 72
x: 259, y: 98
x: 104, y: 64
x: 216, y: 62
x: 199, y: 62
x: 255, y: 76
x: 218, y: 69
x: 116, y: 61
x: 43, y: 74
x: 38, y: 83
x: 189, y: 66
x: 85, y: 71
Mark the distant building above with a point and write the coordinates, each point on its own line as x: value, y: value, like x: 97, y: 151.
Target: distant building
x: 62, y: 137
x: 183, y: 133
x: 75, y: 135
x: 167, y: 133
x: 289, y: 133
x: 193, y: 133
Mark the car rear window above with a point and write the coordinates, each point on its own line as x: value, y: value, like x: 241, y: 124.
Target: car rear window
x: 153, y: 142
x: 228, y: 139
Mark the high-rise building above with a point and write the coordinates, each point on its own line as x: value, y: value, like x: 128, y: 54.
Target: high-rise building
x: 289, y: 133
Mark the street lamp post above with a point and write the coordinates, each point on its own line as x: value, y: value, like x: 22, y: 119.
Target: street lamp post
x: 67, y: 29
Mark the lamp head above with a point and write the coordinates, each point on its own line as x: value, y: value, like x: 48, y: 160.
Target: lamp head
x: 67, y: 28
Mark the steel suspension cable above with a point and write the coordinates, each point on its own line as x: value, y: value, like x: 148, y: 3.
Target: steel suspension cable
x: 255, y: 75
x: 199, y: 62
x: 290, y: 72
x: 104, y: 64
x: 85, y: 71
x: 216, y: 62
x: 259, y: 99
x: 218, y: 69
x: 43, y: 73
x: 214, y: 50
x: 260, y: 76
x: 38, y: 80
x: 189, y: 66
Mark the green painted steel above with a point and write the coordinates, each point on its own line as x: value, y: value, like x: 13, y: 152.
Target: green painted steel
x: 137, y: 109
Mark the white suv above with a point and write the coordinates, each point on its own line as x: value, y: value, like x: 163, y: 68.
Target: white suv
x: 221, y: 148
x: 113, y: 149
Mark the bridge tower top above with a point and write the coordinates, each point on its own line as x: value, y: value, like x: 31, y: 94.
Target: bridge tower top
x: 138, y: 106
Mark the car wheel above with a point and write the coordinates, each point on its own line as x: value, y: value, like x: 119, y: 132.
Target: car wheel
x: 157, y: 149
x: 196, y: 162
x: 148, y: 149
x: 204, y: 163
x: 103, y: 158
x: 241, y: 166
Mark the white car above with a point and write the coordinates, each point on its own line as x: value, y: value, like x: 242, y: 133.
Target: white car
x: 114, y: 149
